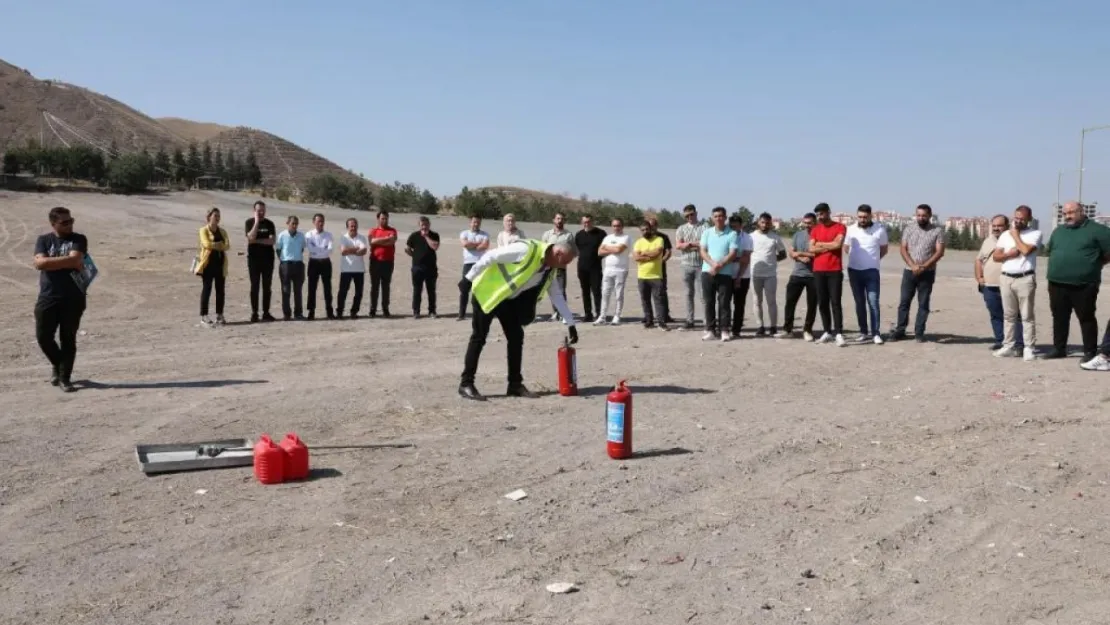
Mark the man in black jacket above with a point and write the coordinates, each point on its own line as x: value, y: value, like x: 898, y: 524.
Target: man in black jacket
x: 588, y: 241
x: 63, y: 281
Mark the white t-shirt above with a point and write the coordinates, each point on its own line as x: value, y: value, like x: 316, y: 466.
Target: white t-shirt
x: 1021, y: 264
x: 505, y: 238
x: 864, y: 244
x: 744, y: 243
x: 765, y: 249
x: 349, y: 263
x: 469, y: 236
x: 616, y: 262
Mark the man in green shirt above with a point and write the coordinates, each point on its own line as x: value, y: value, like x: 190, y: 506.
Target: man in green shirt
x: 1077, y: 251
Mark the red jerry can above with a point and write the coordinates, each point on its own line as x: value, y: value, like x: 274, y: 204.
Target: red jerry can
x: 568, y: 370
x: 269, y: 461
x: 618, y: 419
x: 296, y: 457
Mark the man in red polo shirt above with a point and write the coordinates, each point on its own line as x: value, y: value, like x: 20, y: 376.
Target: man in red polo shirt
x: 383, y: 248
x: 826, y: 242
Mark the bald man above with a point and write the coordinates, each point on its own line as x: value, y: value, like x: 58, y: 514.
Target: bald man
x: 507, y: 284
x: 1077, y: 251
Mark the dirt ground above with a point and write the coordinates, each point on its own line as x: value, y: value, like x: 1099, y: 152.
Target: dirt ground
x: 781, y: 482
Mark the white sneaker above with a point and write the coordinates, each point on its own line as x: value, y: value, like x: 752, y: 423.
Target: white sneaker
x: 206, y: 321
x: 725, y: 337
x: 1004, y: 352
x: 1098, y: 363
x: 840, y: 341
x: 807, y: 337
x: 616, y: 320
x: 825, y: 338
x: 863, y: 338
x: 1028, y: 355
x: 708, y: 336
x: 781, y: 334
x: 600, y: 321
x: 878, y: 340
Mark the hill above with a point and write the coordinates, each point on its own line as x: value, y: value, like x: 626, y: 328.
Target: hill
x: 190, y: 130
x: 59, y: 114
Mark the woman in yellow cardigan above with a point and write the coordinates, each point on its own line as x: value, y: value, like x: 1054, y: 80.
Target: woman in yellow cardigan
x: 212, y: 267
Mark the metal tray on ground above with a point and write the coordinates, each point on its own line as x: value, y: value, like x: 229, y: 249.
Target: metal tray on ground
x: 175, y: 457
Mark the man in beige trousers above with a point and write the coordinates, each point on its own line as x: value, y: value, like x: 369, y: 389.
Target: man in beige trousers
x: 1017, y: 251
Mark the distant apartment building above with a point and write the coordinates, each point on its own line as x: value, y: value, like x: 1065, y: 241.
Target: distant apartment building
x: 979, y: 227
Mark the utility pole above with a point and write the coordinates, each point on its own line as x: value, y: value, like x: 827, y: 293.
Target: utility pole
x: 1082, y: 141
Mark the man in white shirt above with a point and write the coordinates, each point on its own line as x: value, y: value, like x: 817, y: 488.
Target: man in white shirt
x: 319, y: 244
x: 506, y: 284
x: 614, y: 270
x: 475, y: 242
x: 767, y: 250
x: 743, y: 282
x: 866, y: 243
x: 353, y: 248
x: 1017, y: 251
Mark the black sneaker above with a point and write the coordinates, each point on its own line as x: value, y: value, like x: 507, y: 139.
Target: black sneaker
x: 1055, y: 354
x: 268, y: 317
x: 254, y: 317
x: 995, y: 347
x: 761, y: 331
x: 311, y: 315
x: 520, y: 391
x: 68, y: 386
x: 56, y: 377
x: 689, y: 325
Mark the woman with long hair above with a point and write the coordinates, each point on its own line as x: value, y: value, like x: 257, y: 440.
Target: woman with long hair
x: 212, y: 266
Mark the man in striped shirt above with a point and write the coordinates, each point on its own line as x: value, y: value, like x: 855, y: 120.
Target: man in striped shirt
x: 688, y: 236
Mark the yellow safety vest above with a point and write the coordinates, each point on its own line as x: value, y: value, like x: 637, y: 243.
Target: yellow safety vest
x: 499, y: 281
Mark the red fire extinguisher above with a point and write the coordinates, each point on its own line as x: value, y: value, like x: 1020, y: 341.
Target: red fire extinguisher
x: 568, y: 370
x: 618, y: 419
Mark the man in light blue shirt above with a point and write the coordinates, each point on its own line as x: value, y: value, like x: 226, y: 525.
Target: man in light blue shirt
x: 290, y: 248
x: 718, y: 249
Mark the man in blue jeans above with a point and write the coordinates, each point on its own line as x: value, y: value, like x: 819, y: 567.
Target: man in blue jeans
x: 988, y: 273
x: 922, y: 248
x: 867, y: 243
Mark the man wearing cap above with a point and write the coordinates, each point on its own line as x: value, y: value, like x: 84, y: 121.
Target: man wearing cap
x: 507, y: 284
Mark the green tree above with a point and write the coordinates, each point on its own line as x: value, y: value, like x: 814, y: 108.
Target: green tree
x: 163, y: 168
x: 253, y: 172
x: 206, y: 159
x: 12, y: 163
x: 326, y: 189
x: 179, y: 165
x: 218, y: 168
x: 130, y: 173
x: 747, y: 216
x: 427, y: 204
x: 193, y: 165
x: 233, y: 171
x: 359, y: 196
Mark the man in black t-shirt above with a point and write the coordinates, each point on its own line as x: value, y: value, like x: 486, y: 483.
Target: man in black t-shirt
x: 60, y: 259
x: 261, y: 234
x: 422, y: 246
x: 668, y: 249
x: 588, y: 241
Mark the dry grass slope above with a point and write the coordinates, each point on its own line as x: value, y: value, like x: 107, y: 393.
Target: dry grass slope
x: 192, y: 131
x: 282, y: 162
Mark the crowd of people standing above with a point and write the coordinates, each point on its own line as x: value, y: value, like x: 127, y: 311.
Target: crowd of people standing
x: 721, y: 259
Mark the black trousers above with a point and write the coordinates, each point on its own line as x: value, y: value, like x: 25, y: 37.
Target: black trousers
x: 208, y: 281
x: 61, y: 317
x: 381, y: 275
x: 346, y: 278
x: 794, y: 288
x: 261, y: 271
x: 513, y: 315
x: 739, y: 297
x: 666, y: 316
x: 717, y: 293
x: 424, y: 278
x: 464, y: 290
x: 292, y: 281
x: 830, y: 288
x: 922, y: 286
x: 651, y: 300
x: 319, y: 270
x: 1063, y: 300
x: 590, y: 280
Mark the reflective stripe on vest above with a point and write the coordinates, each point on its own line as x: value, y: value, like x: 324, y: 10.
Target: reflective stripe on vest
x: 502, y: 281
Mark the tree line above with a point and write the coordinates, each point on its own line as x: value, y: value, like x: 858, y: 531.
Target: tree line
x: 136, y: 171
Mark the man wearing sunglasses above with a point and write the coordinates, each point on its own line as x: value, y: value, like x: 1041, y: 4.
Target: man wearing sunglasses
x: 60, y: 259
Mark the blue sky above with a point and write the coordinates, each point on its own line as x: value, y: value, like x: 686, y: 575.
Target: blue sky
x: 970, y: 106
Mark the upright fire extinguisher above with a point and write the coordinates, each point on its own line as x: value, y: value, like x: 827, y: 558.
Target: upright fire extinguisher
x: 618, y: 419
x: 568, y: 370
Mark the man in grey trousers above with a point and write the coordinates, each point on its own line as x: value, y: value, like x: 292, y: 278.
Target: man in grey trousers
x: 688, y: 239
